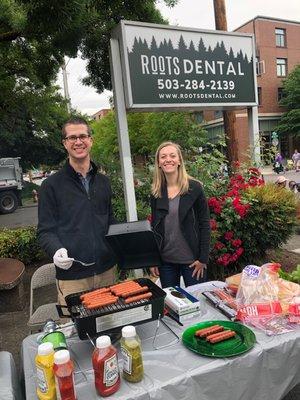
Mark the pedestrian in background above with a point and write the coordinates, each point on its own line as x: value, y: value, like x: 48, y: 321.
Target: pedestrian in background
x: 180, y: 220
x: 296, y: 160
x: 74, y: 213
x: 281, y: 181
x: 278, y: 167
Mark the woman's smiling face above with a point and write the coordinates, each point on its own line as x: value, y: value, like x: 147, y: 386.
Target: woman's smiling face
x: 168, y: 159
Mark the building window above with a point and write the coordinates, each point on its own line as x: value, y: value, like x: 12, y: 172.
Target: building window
x: 260, y: 67
x: 259, y: 95
x: 199, y: 116
x: 280, y: 37
x: 280, y: 94
x: 281, y: 64
x: 218, y: 114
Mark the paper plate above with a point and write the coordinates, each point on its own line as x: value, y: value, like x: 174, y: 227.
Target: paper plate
x: 243, y: 341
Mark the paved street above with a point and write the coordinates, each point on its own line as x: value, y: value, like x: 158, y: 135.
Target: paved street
x: 23, y: 216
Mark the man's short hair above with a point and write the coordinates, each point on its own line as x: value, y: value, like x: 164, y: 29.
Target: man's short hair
x: 75, y: 121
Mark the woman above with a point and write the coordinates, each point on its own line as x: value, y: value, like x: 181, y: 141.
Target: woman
x: 281, y: 181
x: 180, y: 220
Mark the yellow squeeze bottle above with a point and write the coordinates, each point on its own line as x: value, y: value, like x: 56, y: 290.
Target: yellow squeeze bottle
x: 44, y: 371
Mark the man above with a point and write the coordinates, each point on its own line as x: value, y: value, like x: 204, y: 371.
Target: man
x: 74, y: 214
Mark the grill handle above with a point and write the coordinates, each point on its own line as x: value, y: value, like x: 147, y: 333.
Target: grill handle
x: 60, y: 311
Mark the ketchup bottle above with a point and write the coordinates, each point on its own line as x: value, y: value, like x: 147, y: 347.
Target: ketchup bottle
x: 106, y: 369
x: 64, y: 376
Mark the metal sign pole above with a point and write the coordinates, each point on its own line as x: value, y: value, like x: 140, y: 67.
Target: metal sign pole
x: 123, y: 137
x: 122, y: 128
x: 254, y: 134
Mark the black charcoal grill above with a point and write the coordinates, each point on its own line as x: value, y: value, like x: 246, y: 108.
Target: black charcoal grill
x: 113, y: 317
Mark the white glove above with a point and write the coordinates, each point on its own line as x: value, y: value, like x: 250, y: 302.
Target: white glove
x: 61, y: 259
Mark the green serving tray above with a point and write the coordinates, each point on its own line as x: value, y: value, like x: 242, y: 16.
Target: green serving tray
x: 243, y: 341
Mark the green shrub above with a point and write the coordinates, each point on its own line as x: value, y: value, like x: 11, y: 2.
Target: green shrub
x: 21, y: 244
x: 271, y: 218
x: 247, y: 220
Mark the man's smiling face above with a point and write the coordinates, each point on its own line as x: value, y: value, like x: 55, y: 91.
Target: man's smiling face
x: 79, y: 148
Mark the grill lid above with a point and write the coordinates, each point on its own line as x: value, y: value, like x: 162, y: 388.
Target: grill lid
x: 134, y: 245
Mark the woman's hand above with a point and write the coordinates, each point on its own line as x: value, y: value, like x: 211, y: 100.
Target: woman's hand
x: 198, y: 269
x: 154, y: 271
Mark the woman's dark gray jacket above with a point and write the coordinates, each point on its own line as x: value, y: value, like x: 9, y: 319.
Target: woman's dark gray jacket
x: 193, y: 219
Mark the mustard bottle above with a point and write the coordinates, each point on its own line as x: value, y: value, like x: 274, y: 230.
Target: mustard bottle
x: 44, y: 371
x: 133, y: 370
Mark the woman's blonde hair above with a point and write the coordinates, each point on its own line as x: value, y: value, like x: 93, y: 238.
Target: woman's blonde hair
x: 159, y: 179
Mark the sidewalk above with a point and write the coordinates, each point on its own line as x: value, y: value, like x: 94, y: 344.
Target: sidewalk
x: 293, y: 244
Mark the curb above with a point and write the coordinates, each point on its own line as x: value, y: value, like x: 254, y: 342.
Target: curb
x: 29, y: 206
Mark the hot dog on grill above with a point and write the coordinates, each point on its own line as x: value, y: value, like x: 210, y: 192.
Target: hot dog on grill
x: 97, y: 291
x: 137, y: 298
x: 99, y: 299
x: 102, y: 303
x: 133, y: 292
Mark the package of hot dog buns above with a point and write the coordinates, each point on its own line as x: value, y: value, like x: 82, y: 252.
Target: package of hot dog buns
x: 264, y: 299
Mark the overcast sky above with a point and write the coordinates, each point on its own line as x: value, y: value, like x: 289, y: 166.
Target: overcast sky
x: 188, y: 13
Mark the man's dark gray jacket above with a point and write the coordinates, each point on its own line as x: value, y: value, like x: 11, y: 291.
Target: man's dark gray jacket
x: 70, y: 217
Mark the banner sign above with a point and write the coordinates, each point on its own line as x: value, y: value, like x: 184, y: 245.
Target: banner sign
x: 173, y: 67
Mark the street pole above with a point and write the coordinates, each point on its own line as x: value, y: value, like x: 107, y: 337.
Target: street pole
x: 66, y: 88
x: 229, y: 118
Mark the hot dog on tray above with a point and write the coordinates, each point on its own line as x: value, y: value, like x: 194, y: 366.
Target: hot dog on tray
x: 208, y: 331
x: 219, y: 337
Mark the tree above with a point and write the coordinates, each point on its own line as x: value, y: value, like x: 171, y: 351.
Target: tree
x: 146, y: 131
x: 30, y: 127
x: 34, y: 38
x: 290, y: 120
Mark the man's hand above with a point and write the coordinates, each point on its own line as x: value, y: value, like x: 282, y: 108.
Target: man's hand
x: 198, y: 269
x: 154, y: 272
x: 61, y: 259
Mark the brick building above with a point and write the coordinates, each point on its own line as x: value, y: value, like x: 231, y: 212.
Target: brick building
x: 277, y: 52
x: 100, y: 114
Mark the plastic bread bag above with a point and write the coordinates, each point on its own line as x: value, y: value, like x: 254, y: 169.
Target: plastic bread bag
x: 271, y: 325
x: 288, y: 294
x: 257, y: 295
x: 294, y: 311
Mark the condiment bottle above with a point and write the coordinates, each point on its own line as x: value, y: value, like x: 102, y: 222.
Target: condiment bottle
x: 44, y: 371
x: 106, y: 369
x: 64, y: 376
x: 133, y: 370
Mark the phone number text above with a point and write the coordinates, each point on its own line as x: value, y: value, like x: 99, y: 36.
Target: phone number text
x: 193, y: 84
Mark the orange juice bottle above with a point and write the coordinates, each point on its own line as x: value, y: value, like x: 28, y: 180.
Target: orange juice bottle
x: 44, y: 370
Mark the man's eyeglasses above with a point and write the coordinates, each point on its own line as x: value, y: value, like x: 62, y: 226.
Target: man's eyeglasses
x: 82, y: 137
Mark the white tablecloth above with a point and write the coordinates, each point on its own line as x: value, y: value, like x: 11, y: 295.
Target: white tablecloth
x: 268, y: 371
